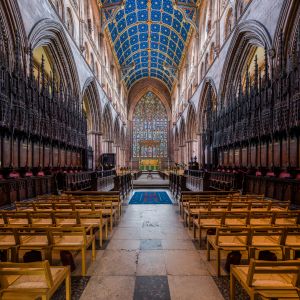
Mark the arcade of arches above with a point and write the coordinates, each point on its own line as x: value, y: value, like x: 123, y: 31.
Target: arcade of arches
x: 198, y: 94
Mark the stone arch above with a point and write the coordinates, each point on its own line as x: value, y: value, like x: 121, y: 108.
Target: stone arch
x: 107, y: 123
x: 191, y: 122
x: 50, y: 34
x: 117, y: 133
x: 11, y: 27
x: 247, y: 35
x: 288, y: 26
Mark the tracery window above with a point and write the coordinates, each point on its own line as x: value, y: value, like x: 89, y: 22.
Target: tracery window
x: 150, y: 128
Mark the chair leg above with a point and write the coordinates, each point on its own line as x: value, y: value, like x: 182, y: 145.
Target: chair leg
x: 208, y: 251
x: 232, y: 286
x: 83, y: 262
x: 219, y: 262
x: 111, y: 222
x: 100, y: 236
x: 106, y: 231
x: 200, y: 236
x: 68, y: 286
x: 94, y: 249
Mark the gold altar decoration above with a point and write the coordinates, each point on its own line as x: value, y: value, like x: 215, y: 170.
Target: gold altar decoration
x: 149, y: 162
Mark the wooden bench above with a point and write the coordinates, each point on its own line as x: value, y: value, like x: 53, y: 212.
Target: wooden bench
x: 32, y: 280
x: 270, y: 279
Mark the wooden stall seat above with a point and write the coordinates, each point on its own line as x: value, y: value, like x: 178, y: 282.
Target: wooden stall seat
x: 227, y: 239
x: 259, y: 218
x: 268, y: 238
x: 34, y: 239
x: 207, y: 220
x: 95, y: 220
x: 270, y: 279
x: 291, y: 242
x: 74, y: 239
x: 9, y: 242
x: 32, y: 280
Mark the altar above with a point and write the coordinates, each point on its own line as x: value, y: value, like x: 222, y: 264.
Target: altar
x: 152, y: 164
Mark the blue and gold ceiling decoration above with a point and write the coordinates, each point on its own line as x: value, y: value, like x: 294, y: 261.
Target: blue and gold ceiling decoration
x: 149, y: 36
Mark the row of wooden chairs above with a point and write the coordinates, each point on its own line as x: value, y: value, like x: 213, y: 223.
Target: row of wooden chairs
x: 267, y: 279
x: 213, y: 220
x: 117, y: 204
x: 48, y: 239
x: 193, y: 209
x: 183, y: 203
x: 95, y: 219
x: 107, y: 208
x: 284, y: 240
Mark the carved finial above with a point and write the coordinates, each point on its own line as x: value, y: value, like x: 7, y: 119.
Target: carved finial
x: 17, y: 53
x: 266, y: 67
x: 30, y: 62
x: 255, y: 73
x: 43, y: 72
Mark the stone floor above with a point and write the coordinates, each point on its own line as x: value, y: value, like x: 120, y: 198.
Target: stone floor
x: 154, y: 181
x: 150, y: 256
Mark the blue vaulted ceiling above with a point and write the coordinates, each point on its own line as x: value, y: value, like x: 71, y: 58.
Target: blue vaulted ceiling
x: 151, y: 34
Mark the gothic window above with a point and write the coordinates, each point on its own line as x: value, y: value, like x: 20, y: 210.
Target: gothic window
x: 69, y: 22
x: 150, y: 128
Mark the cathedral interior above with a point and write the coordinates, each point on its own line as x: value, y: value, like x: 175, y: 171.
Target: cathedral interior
x: 150, y: 149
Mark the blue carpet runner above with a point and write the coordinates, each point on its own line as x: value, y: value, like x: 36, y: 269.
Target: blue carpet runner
x: 150, y: 198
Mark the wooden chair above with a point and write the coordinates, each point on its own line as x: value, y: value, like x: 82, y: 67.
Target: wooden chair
x: 74, y: 239
x: 8, y: 242
x: 266, y: 277
x: 16, y: 218
x: 227, y: 239
x: 235, y: 218
x: 108, y: 211
x: 95, y: 220
x: 30, y: 238
x: 259, y: 218
x: 268, y: 238
x: 41, y: 218
x: 66, y: 218
x: 207, y: 220
x: 32, y: 280
x: 291, y: 241
x: 286, y: 218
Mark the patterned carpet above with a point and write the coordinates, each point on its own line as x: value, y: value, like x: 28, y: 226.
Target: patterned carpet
x: 150, y: 198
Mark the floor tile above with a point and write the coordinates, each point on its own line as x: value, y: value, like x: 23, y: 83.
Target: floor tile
x: 151, y: 288
x: 150, y: 245
x: 183, y: 262
x: 117, y: 262
x: 109, y: 288
x: 193, y: 288
x: 151, y: 263
x: 116, y: 244
x: 174, y: 244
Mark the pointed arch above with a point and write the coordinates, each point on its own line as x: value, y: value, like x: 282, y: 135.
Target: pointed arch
x: 191, y: 123
x: 182, y: 133
x: 107, y: 123
x: 49, y: 33
x: 117, y: 134
x: 247, y: 35
x: 11, y: 24
x: 92, y: 105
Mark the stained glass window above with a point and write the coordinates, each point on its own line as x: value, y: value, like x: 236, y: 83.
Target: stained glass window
x: 150, y: 128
